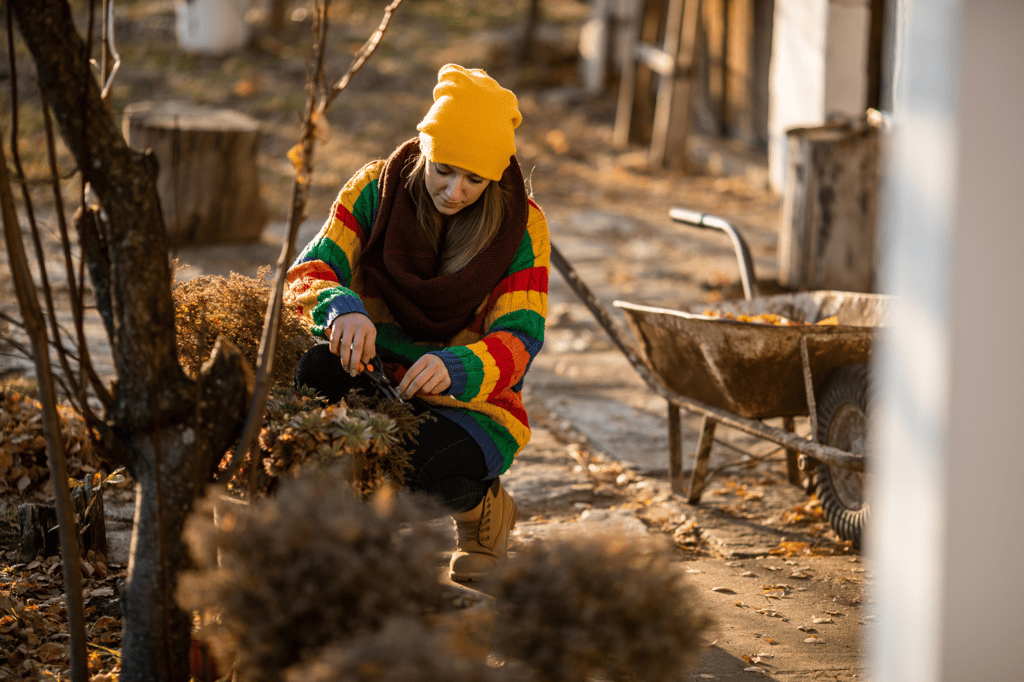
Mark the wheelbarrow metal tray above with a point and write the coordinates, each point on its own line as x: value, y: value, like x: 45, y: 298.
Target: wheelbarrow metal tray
x: 753, y: 369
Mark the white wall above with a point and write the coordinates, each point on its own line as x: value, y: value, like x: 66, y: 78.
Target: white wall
x: 946, y: 533
x: 818, y: 67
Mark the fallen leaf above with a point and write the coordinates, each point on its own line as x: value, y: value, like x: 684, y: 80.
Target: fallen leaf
x: 806, y: 628
x: 814, y: 640
x: 51, y: 652
x: 753, y: 669
x: 821, y: 620
x: 723, y: 590
x: 799, y: 575
x: 749, y: 574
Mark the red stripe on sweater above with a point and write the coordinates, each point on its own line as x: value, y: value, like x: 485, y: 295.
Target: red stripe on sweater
x: 502, y: 355
x: 349, y: 221
x: 305, y: 274
x: 511, y: 403
x: 508, y: 352
x: 530, y: 279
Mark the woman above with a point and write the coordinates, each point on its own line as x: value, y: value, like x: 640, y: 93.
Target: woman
x: 436, y: 261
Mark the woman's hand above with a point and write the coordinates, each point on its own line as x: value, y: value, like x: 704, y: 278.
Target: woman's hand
x: 427, y: 375
x: 353, y: 340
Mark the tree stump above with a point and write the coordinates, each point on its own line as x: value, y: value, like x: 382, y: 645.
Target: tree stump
x: 829, y: 206
x: 208, y: 185
x: 38, y: 525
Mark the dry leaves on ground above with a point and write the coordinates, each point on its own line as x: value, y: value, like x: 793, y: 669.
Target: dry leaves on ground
x: 33, y: 628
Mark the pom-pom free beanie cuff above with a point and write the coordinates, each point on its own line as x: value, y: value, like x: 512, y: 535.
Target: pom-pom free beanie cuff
x: 472, y: 122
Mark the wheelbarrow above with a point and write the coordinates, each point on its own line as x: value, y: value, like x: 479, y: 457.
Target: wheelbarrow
x: 714, y: 361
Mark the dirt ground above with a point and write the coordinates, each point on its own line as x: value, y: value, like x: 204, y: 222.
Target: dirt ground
x: 607, y: 211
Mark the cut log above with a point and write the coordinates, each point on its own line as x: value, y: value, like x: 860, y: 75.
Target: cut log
x: 829, y: 205
x: 208, y: 182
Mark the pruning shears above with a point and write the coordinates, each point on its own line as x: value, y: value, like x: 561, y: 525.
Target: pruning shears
x: 374, y: 370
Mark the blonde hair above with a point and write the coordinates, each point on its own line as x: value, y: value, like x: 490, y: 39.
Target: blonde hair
x: 469, y: 231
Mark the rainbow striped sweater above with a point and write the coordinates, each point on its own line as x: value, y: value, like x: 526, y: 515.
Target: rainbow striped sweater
x: 486, y: 361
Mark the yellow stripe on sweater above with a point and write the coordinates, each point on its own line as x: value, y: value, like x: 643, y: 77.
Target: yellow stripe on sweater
x: 519, y: 431
x: 520, y: 300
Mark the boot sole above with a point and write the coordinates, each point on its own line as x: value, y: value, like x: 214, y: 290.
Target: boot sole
x: 480, y: 577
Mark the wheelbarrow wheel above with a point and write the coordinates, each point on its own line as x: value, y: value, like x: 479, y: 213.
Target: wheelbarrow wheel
x: 842, y: 423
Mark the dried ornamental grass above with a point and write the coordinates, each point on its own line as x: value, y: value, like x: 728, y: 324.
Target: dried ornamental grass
x: 403, y: 651
x: 209, y: 306
x: 310, y: 566
x: 606, y: 606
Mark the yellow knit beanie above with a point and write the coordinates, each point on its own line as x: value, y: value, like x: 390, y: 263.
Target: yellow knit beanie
x: 472, y: 123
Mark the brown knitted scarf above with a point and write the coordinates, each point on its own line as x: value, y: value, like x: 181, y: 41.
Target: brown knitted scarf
x: 400, y: 265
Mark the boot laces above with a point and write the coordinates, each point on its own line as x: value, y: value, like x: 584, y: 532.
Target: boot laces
x: 479, y: 532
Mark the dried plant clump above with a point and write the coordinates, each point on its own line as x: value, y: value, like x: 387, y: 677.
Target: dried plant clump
x: 209, y: 306
x: 405, y: 650
x: 23, y: 464
x: 574, y: 608
x: 312, y: 565
x: 370, y: 436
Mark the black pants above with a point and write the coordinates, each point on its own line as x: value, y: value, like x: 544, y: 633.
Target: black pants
x: 446, y: 462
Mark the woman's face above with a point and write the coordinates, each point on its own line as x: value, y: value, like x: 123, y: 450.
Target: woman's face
x: 452, y: 188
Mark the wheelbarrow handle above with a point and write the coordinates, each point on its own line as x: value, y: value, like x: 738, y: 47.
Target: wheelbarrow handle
x: 710, y: 222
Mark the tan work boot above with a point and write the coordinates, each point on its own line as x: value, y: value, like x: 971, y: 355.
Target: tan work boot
x: 483, y: 535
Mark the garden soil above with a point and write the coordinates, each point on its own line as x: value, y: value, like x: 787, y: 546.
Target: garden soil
x: 790, y: 600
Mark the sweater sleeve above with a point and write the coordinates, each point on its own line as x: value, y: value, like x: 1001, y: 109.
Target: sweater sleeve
x: 513, y: 324
x: 319, y: 282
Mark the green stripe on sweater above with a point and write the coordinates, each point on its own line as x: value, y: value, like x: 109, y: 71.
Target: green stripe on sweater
x: 332, y: 256
x: 474, y: 368
x: 529, y: 322
x: 366, y: 206
x: 503, y: 440
x: 396, y: 340
x: 524, y: 256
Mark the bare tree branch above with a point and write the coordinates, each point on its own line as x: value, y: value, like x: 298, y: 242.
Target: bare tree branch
x: 364, y: 53
x: 67, y: 528
x: 26, y: 198
x: 144, y: 348
x: 316, y: 108
x: 76, y: 289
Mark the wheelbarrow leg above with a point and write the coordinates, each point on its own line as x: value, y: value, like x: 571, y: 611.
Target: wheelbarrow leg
x: 792, y: 467
x: 700, y: 459
x: 675, y: 449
